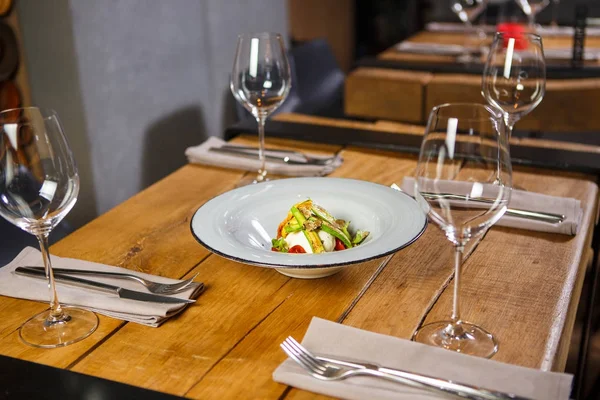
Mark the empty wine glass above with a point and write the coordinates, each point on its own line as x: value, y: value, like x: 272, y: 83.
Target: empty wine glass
x: 531, y: 8
x: 514, y: 76
x: 463, y: 181
x: 38, y: 187
x: 467, y: 11
x: 260, y: 81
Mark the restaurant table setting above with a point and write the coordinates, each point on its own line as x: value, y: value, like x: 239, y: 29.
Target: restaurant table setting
x: 152, y: 310
x: 345, y: 343
x: 462, y: 182
x: 215, y: 151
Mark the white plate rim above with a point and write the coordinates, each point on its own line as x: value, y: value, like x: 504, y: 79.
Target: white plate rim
x: 304, y: 266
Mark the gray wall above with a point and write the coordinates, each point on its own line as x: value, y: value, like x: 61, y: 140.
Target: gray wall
x: 136, y: 82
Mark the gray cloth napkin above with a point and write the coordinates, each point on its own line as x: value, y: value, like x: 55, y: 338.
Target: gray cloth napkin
x: 523, y: 200
x: 433, y: 48
x: 340, y: 341
x: 145, y: 313
x: 201, y: 155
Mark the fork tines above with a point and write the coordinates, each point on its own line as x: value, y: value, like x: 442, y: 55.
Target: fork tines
x: 302, y: 356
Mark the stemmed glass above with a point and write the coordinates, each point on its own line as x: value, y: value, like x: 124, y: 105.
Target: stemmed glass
x: 467, y: 11
x: 39, y: 185
x: 463, y: 181
x: 260, y: 81
x: 531, y: 8
x: 514, y: 76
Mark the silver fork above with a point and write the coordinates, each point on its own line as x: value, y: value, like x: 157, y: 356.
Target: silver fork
x: 332, y: 370
x: 153, y: 287
x: 308, y: 159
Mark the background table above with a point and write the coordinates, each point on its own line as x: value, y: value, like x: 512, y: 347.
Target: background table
x: 523, y: 286
x: 400, y: 86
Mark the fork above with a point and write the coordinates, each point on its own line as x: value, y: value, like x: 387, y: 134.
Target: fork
x: 333, y: 370
x: 308, y: 159
x: 153, y: 287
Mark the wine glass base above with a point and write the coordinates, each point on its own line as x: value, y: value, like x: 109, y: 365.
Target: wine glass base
x: 473, y: 340
x: 38, y: 332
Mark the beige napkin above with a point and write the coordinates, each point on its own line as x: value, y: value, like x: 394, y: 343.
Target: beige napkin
x: 151, y: 314
x: 201, y: 155
x: 523, y: 200
x: 566, y: 53
x: 336, y: 340
x: 433, y: 48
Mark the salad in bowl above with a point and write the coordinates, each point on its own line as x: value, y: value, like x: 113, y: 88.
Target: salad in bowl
x: 309, y: 228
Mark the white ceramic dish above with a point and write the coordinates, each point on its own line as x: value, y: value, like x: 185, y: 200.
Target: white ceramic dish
x: 240, y: 224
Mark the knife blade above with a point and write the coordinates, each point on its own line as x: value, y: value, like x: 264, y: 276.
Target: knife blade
x: 103, y: 287
x: 254, y: 156
x: 448, y: 386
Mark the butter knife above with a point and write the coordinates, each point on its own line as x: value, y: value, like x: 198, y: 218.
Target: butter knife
x: 449, y: 387
x: 550, y: 218
x: 243, y: 153
x: 103, y: 287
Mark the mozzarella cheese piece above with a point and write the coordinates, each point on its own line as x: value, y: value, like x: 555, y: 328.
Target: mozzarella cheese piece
x: 298, y: 238
x: 328, y: 240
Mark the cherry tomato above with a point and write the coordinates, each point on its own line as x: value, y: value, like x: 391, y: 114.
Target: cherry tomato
x: 274, y: 249
x: 296, y: 249
x: 339, y: 245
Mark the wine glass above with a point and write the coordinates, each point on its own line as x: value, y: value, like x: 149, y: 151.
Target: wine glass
x: 463, y: 181
x: 260, y: 81
x: 38, y: 187
x: 531, y: 8
x: 467, y: 11
x: 514, y: 76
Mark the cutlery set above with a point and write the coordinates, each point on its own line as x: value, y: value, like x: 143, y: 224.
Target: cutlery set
x: 330, y: 369
x: 290, y: 157
x: 159, y: 292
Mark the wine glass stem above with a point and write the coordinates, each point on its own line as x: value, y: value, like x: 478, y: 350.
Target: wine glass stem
x: 56, y: 312
x: 510, y: 121
x: 262, y: 172
x: 458, y: 259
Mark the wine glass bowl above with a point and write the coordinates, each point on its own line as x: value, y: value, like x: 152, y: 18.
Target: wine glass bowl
x: 532, y: 8
x: 463, y: 182
x: 514, y: 76
x: 260, y: 81
x: 39, y: 185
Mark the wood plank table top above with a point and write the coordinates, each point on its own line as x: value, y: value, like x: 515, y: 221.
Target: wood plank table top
x: 523, y: 286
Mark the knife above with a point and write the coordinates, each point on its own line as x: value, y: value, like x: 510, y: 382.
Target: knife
x: 448, y: 386
x: 254, y: 156
x: 103, y: 287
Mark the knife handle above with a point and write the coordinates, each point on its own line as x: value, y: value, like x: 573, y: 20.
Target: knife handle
x: 69, y: 280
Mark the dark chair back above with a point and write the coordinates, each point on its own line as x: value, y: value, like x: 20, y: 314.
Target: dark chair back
x: 319, y: 79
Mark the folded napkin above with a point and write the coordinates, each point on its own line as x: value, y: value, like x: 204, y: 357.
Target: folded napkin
x: 340, y: 341
x: 201, y: 155
x: 589, y: 54
x: 523, y: 200
x: 145, y: 313
x: 434, y: 48
x: 456, y: 27
x: 565, y: 31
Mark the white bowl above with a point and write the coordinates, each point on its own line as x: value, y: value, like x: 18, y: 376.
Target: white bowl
x: 240, y: 224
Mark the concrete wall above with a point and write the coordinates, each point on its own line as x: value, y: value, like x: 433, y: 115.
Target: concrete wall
x: 136, y: 82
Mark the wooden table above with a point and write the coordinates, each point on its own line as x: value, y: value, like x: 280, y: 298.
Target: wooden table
x: 408, y: 95
x: 522, y: 286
